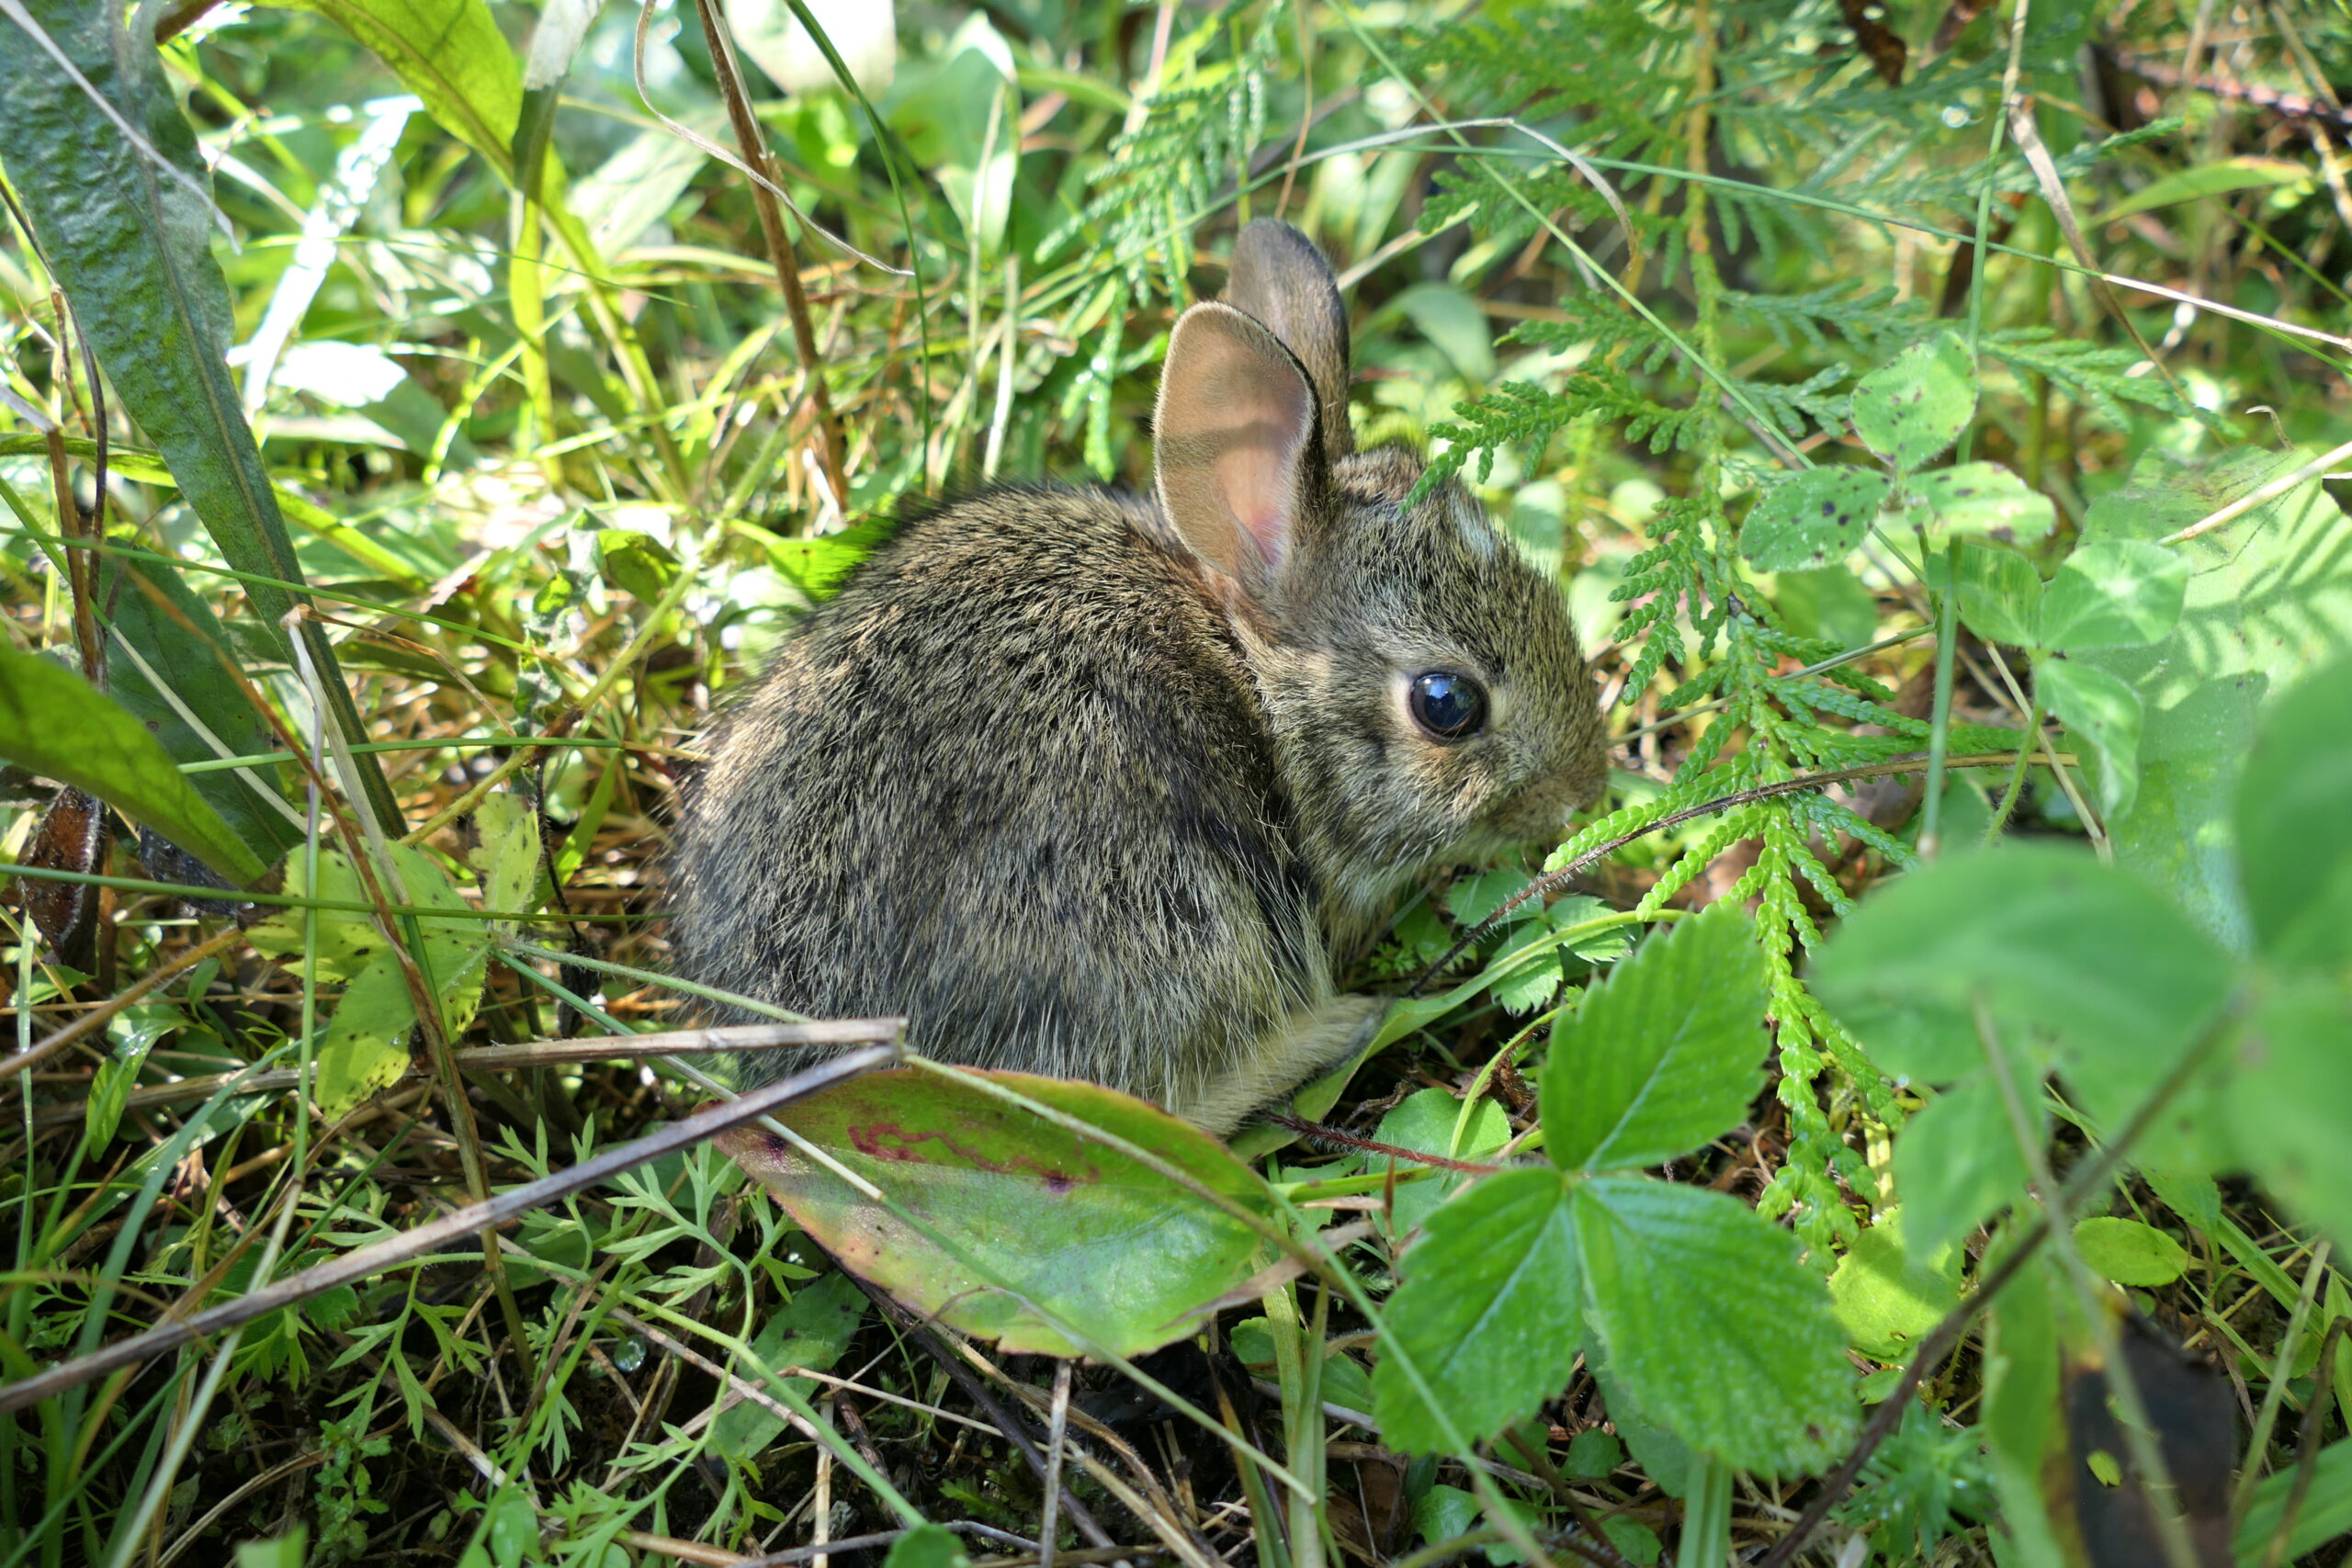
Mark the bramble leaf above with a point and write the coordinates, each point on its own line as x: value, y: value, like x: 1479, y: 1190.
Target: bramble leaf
x: 1489, y: 1313
x: 1668, y: 1269
x: 1665, y: 1053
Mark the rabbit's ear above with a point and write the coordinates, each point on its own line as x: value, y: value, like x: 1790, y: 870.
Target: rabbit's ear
x: 1281, y: 280
x: 1234, y: 441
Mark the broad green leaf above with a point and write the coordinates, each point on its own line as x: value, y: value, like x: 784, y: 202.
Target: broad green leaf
x: 345, y: 942
x: 2218, y: 178
x: 1981, y: 501
x: 1811, y: 520
x: 1453, y: 321
x: 1426, y: 1124
x: 2325, y: 1516
x: 1345, y: 1382
x: 1490, y: 1312
x: 956, y: 108
x: 1016, y: 1218
x: 2129, y: 1252
x: 819, y: 565
x: 286, y: 1551
x: 362, y: 1050
x: 636, y: 563
x: 1665, y: 1459
x: 1665, y: 1053
x: 2294, y: 830
x: 1592, y: 1454
x: 1446, y: 1513
x: 2061, y: 948
x: 2289, y: 1099
x: 2021, y: 1407
x: 2114, y: 594
x: 1917, y: 405
x: 1887, y: 1302
x: 1713, y: 1325
x: 2270, y: 600
x: 864, y: 33
x: 2103, y: 714
x: 177, y: 635
x: 927, y: 1546
x: 2000, y: 595
x: 451, y: 55
x: 1830, y: 604
x: 130, y: 244
x: 1957, y: 1164
x: 56, y: 725
x: 507, y: 858
x: 813, y: 1330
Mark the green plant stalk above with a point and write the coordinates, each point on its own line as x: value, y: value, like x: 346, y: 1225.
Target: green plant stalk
x: 1706, y: 1516
x: 1940, y: 734
x: 1297, y: 1366
x: 184, y: 1430
x: 2258, y: 1447
x: 2130, y: 1409
x: 2016, y: 777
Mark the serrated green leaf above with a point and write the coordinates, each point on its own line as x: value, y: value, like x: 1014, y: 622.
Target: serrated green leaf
x: 2000, y: 596
x: 1665, y: 1053
x: 2103, y: 714
x: 1957, y: 1164
x: 2294, y: 832
x: 1711, y: 1323
x: 1811, y: 520
x: 2115, y: 594
x: 1916, y: 406
x: 2129, y: 1252
x: 57, y: 725
x: 344, y: 943
x: 1981, y: 501
x: 1490, y: 1312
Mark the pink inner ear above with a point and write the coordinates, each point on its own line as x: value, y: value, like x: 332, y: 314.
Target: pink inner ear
x: 1254, y: 478
x: 1234, y: 422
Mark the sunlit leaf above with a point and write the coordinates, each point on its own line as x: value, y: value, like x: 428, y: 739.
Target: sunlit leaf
x: 1018, y: 1219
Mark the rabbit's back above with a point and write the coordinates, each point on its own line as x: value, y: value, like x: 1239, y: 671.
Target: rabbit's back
x: 1014, y: 783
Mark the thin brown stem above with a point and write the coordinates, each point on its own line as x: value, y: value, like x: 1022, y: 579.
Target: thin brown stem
x: 780, y: 248
x: 1552, y: 880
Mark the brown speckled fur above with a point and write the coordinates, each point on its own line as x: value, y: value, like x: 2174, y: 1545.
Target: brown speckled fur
x: 1084, y: 789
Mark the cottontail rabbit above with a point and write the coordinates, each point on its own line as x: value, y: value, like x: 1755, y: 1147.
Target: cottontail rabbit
x: 1093, y: 784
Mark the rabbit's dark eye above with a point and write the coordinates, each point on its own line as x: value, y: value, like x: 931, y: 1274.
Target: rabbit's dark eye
x: 1450, y: 706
